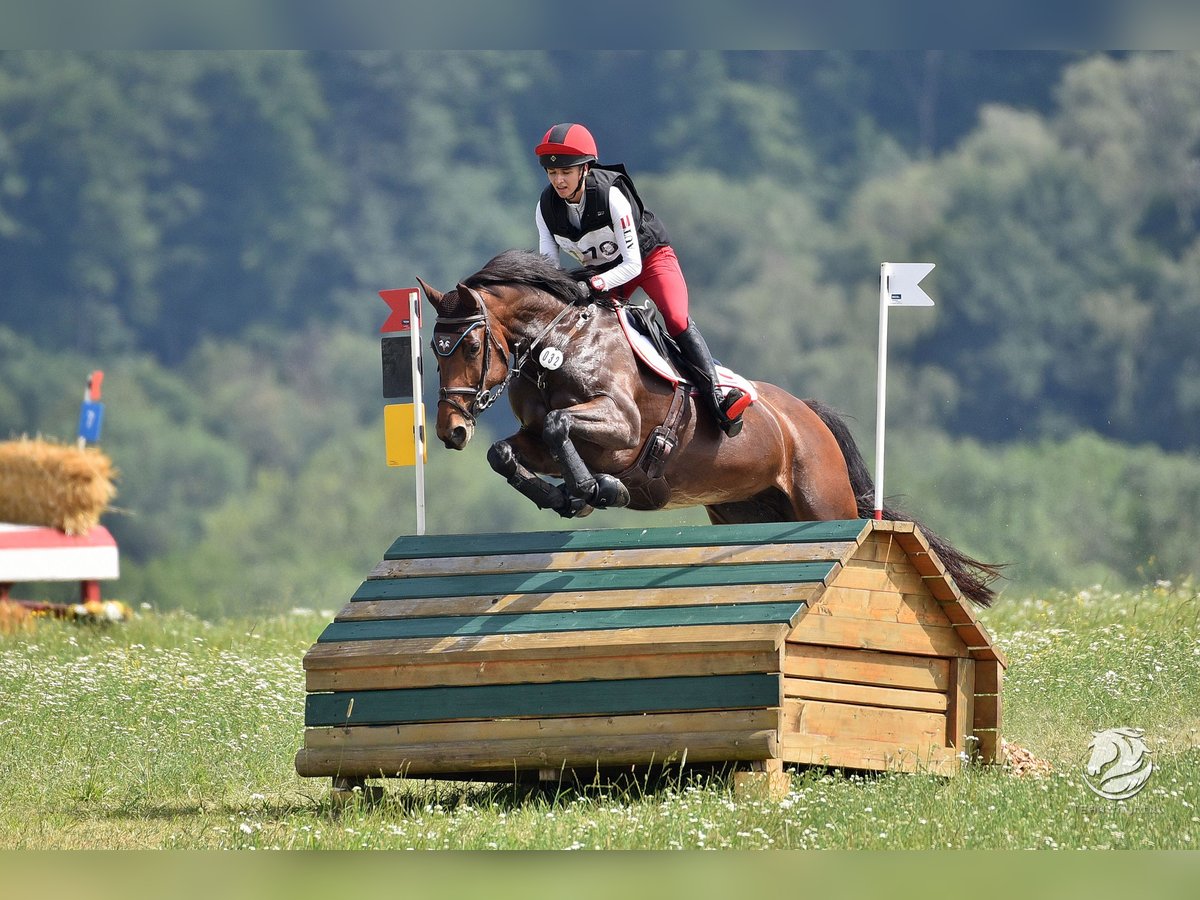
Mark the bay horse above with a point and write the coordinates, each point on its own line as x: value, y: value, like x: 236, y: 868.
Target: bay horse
x: 589, y: 412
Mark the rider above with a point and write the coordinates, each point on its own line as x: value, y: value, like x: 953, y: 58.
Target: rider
x: 593, y: 213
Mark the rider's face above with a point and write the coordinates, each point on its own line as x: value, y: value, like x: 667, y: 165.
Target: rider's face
x: 567, y: 182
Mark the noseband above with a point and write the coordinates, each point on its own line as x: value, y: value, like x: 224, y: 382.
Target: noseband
x: 481, y: 395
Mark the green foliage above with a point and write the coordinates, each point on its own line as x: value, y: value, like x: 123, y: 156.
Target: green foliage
x: 1080, y: 512
x: 147, y: 198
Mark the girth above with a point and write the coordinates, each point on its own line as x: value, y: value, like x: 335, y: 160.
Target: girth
x: 648, y: 489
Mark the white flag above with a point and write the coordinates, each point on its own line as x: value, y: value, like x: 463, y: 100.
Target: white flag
x: 899, y: 283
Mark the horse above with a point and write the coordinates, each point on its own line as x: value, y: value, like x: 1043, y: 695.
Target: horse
x: 618, y: 435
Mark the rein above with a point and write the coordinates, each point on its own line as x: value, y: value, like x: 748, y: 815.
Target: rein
x: 482, y: 396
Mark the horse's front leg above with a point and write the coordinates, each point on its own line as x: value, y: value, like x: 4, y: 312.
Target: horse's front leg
x: 506, y: 459
x: 598, y: 421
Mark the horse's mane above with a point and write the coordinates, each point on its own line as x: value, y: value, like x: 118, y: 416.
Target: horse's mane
x: 530, y: 268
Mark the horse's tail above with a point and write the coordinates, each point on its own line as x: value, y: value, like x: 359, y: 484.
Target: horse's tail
x: 974, y: 578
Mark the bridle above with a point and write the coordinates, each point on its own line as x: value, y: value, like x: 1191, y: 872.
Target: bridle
x: 481, y: 395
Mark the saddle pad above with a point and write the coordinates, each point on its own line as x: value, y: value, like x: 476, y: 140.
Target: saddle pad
x: 645, y: 350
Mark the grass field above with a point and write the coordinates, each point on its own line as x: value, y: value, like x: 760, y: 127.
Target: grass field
x: 170, y: 732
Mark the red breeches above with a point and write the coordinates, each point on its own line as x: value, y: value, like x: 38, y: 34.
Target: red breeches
x: 662, y: 280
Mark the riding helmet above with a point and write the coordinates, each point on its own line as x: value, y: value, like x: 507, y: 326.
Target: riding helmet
x: 566, y: 144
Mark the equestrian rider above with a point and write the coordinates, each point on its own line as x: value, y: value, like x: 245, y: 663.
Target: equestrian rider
x: 593, y: 213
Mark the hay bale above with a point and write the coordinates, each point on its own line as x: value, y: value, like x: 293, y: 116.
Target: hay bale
x: 56, y: 485
x: 14, y: 618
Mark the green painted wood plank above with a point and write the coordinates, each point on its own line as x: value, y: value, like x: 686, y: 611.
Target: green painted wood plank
x: 632, y: 578
x: 583, y: 620
x: 623, y: 696
x: 446, y: 545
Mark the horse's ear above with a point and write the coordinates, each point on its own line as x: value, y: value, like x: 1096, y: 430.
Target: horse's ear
x: 432, y: 294
x: 470, y: 303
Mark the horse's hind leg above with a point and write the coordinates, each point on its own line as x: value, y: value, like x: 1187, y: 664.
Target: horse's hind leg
x: 503, y: 459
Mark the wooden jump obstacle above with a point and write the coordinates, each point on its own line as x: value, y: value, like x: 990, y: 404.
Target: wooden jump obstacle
x: 522, y: 656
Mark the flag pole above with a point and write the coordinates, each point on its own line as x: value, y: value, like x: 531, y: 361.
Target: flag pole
x: 881, y: 387
x: 899, y: 285
x: 414, y: 302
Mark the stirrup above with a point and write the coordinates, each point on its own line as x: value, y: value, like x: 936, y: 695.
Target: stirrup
x: 731, y: 408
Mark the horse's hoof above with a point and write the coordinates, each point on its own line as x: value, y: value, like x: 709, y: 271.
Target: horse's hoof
x: 575, y: 508
x: 502, y: 459
x: 609, y: 492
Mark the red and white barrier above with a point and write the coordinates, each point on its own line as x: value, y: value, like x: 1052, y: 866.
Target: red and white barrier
x: 36, y: 553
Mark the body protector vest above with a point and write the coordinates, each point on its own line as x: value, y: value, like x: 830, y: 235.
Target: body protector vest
x: 595, y: 244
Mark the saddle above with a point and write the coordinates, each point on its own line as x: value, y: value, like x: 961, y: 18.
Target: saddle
x: 658, y: 351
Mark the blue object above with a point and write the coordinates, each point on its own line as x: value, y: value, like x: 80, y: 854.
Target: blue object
x: 91, y: 416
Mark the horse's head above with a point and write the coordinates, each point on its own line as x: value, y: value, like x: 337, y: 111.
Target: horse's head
x: 1120, y: 761
x: 471, y: 361
x: 1105, y: 747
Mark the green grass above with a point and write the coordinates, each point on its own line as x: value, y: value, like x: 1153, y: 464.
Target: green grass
x: 169, y: 732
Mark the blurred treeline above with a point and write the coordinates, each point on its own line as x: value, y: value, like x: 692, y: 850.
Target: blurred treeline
x: 211, y: 229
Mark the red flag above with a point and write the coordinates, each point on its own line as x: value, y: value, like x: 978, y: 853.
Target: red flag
x: 399, y: 319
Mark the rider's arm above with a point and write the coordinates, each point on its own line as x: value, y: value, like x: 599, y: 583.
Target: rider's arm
x: 631, y: 254
x: 547, y: 246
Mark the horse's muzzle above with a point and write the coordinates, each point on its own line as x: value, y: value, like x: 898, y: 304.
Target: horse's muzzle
x: 457, y: 437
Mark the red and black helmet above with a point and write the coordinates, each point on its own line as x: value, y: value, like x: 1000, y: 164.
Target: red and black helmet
x: 566, y: 144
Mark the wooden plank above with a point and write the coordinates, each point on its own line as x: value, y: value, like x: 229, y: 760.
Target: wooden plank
x: 989, y: 675
x: 583, y: 620
x: 574, y: 600
x: 987, y: 711
x: 886, y: 525
x: 955, y: 612
x: 973, y: 635
x: 881, y: 606
x: 507, y: 757
x: 921, y: 556
x: 945, y: 590
x: 414, y: 651
x: 762, y: 780
x: 879, y: 547
x: 844, y: 631
x: 861, y: 753
x: 899, y: 727
x: 961, y: 714
x: 361, y: 737
x: 643, y: 577
x: 554, y: 699
x: 858, y: 574
x: 734, y: 554
x: 864, y: 694
x: 989, y: 745
x: 924, y: 673
x: 434, y: 673
x: 418, y: 546
x: 989, y: 706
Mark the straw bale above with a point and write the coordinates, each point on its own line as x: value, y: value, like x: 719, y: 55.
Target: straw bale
x: 14, y: 618
x: 51, y: 484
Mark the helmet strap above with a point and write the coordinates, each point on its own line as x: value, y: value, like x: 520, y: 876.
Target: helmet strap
x: 578, y: 192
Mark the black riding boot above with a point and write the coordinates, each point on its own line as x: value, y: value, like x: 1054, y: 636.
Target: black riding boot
x: 696, y: 352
